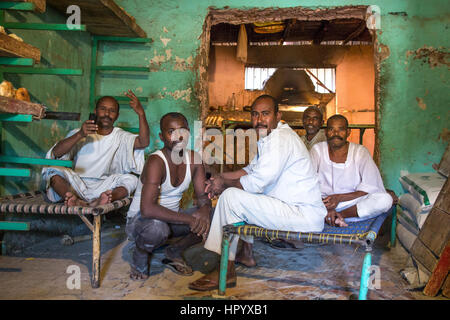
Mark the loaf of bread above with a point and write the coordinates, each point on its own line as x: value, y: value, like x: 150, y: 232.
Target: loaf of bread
x: 7, y: 89
x: 22, y: 94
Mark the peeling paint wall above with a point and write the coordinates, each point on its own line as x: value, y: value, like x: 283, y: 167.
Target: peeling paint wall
x: 413, y: 84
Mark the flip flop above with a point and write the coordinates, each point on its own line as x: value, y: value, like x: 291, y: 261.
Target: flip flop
x: 207, y: 285
x: 172, y: 265
x: 283, y: 245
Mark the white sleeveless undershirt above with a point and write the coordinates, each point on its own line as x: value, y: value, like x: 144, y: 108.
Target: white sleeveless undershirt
x: 169, y: 196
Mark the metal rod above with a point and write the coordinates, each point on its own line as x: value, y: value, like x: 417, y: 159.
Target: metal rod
x: 224, y: 263
x: 44, y: 26
x: 48, y: 71
x: 364, y: 285
x: 37, y: 161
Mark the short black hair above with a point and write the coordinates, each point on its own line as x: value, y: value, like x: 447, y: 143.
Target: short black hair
x: 314, y: 108
x: 266, y: 96
x: 175, y: 115
x: 110, y: 98
x: 338, y: 116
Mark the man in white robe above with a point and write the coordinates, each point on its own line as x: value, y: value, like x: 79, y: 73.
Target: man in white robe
x: 104, y: 158
x: 350, y: 182
x: 277, y: 190
x: 312, y: 122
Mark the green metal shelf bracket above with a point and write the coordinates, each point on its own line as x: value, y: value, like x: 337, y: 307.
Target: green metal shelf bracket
x: 95, y: 68
x: 24, y: 6
x: 37, y: 161
x: 16, y: 61
x: 16, y: 117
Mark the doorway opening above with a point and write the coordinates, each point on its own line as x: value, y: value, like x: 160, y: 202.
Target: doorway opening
x: 301, y: 56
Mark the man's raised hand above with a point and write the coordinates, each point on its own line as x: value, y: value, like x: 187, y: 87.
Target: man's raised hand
x: 135, y: 104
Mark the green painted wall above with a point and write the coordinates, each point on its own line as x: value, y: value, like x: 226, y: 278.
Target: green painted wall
x: 414, y: 103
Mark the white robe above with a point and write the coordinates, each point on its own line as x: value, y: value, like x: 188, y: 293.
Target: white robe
x: 100, y: 163
x: 358, y: 173
x: 280, y: 191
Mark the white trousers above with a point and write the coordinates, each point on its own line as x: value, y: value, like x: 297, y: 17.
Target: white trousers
x: 368, y: 206
x: 89, y: 189
x: 236, y: 205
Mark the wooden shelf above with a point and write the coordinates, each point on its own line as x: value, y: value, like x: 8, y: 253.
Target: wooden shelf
x: 102, y: 17
x: 14, y: 106
x: 10, y: 47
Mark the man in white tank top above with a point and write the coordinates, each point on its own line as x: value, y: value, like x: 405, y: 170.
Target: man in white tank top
x: 350, y: 182
x: 154, y: 214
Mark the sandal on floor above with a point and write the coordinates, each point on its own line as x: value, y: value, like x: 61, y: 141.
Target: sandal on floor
x: 283, y: 245
x: 207, y: 285
x: 179, y: 267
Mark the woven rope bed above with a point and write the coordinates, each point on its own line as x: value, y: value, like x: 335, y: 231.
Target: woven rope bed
x: 36, y: 202
x: 362, y: 233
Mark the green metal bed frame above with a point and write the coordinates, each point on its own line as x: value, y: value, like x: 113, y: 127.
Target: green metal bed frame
x: 361, y: 233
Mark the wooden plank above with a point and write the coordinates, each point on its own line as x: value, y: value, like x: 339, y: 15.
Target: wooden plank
x: 103, y: 17
x: 443, y: 200
x: 422, y: 254
x: 444, y: 166
x: 356, y: 33
x: 10, y: 47
x: 446, y: 287
x: 439, y: 274
x: 10, y: 105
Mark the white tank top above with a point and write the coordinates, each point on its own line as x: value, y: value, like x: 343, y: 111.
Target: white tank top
x: 169, y: 196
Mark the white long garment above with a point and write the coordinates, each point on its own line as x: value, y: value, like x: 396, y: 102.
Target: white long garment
x: 280, y: 191
x: 358, y: 173
x: 99, y: 162
x: 282, y: 169
x: 169, y: 196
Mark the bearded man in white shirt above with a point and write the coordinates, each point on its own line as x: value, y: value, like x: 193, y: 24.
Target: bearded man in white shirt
x: 277, y: 190
x: 350, y: 182
x: 104, y: 158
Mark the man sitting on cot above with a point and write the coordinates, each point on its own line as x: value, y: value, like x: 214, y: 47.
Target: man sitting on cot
x: 155, y: 213
x: 277, y: 190
x: 104, y: 158
x: 349, y: 179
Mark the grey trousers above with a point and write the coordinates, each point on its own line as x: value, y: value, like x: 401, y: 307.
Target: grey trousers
x: 150, y: 234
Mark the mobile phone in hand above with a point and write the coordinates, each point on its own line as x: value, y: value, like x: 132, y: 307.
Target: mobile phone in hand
x: 93, y: 116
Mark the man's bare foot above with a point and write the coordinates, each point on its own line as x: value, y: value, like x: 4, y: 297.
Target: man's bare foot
x: 71, y: 200
x: 105, y: 197
x: 136, y: 275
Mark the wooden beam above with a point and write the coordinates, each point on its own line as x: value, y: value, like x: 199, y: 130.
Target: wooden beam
x: 320, y: 34
x: 10, y: 47
x: 356, y: 33
x: 439, y: 274
x: 9, y: 105
x: 287, y: 30
x: 103, y: 17
x: 39, y: 5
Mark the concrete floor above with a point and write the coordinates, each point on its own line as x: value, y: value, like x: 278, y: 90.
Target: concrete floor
x: 314, y: 273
